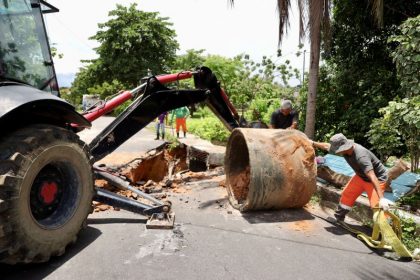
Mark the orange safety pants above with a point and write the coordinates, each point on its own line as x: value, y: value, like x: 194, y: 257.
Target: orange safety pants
x: 181, y: 122
x: 355, y: 188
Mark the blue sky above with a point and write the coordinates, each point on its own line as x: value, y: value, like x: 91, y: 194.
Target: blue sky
x: 213, y: 25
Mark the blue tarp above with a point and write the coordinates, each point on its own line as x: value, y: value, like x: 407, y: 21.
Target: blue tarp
x: 400, y: 186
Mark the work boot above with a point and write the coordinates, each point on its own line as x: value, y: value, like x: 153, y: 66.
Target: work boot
x: 185, y: 134
x: 157, y: 136
x: 340, y: 214
x: 177, y: 135
x: 163, y: 136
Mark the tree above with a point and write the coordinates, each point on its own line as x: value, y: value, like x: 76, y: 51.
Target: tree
x: 407, y: 56
x: 404, y: 117
x: 131, y: 42
x: 314, y: 15
x: 359, y: 82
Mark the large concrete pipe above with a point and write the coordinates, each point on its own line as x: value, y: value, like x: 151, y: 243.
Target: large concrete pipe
x: 269, y: 169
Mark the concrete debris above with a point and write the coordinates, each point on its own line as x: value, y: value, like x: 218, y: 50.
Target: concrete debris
x: 159, y: 172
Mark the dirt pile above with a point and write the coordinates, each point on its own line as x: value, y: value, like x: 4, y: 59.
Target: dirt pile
x: 239, y: 184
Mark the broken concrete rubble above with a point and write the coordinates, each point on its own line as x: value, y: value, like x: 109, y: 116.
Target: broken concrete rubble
x: 159, y: 172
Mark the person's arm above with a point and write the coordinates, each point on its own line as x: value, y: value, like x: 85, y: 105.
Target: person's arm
x: 371, y: 175
x: 295, y: 121
x: 187, y: 112
x: 272, y: 120
x: 321, y: 145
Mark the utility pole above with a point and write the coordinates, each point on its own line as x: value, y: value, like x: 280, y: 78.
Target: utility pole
x: 303, y: 68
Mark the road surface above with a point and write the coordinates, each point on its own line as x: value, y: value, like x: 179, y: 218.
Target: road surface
x: 213, y: 241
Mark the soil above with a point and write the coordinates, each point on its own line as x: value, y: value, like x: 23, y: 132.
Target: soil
x: 303, y: 226
x: 239, y: 184
x: 159, y: 172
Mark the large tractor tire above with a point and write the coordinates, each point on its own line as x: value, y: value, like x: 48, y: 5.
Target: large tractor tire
x: 46, y: 189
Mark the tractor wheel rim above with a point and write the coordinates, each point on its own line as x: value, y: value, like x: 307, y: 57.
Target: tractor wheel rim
x: 54, y: 194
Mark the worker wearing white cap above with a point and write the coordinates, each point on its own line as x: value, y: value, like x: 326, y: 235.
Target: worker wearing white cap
x: 285, y: 117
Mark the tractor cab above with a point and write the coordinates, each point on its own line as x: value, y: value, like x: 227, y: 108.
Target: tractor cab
x: 25, y: 55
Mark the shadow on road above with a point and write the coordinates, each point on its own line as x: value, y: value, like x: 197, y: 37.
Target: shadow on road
x: 42, y: 270
x: 102, y: 221
x: 285, y: 215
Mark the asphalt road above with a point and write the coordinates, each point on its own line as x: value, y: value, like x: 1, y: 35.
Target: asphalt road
x: 213, y: 241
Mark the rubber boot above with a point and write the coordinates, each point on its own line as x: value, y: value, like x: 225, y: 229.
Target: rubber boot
x: 163, y: 136
x: 157, y: 136
x: 185, y: 134
x: 177, y: 135
x: 340, y: 213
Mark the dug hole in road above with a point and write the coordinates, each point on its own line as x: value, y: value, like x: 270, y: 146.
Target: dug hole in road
x: 211, y: 239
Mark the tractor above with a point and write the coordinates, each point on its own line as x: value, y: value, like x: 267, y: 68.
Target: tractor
x: 46, y: 172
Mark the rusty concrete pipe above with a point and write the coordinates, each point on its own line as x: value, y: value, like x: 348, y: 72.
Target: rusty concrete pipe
x: 269, y: 169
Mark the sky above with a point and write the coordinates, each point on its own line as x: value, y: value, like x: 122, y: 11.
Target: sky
x: 212, y: 25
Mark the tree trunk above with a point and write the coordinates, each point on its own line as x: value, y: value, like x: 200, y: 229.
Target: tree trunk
x: 315, y: 34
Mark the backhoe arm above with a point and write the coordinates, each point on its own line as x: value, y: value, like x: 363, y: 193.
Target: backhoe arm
x: 153, y: 98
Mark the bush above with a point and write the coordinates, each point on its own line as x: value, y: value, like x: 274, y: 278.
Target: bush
x: 384, y: 138
x: 400, y: 119
x: 209, y: 128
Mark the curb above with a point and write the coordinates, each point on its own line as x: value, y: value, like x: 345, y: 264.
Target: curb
x: 330, y: 197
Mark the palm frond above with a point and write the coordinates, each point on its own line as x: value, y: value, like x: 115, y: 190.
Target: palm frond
x: 302, y: 19
x: 283, y: 7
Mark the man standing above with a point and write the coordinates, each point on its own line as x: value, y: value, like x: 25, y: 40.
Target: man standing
x: 160, y: 125
x: 285, y: 117
x: 370, y: 176
x: 181, y: 115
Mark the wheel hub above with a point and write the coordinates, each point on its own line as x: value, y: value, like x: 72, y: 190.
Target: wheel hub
x: 48, y: 192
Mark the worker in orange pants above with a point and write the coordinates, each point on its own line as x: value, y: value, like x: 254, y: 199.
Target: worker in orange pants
x: 181, y: 115
x: 370, y: 176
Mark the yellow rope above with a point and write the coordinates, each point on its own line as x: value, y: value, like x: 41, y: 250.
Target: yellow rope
x: 384, y: 236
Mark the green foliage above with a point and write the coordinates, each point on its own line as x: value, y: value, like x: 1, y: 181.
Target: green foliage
x: 131, y: 42
x: 75, y: 100
x: 404, y: 119
x: 407, y: 56
x: 106, y: 89
x: 190, y: 60
x: 385, y: 138
x: 355, y: 84
x: 412, y: 200
x: 209, y: 128
x: 410, y: 237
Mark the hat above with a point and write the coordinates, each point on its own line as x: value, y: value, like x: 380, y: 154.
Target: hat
x: 286, y: 104
x: 340, y: 143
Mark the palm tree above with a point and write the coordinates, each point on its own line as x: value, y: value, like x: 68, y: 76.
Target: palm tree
x: 315, y: 16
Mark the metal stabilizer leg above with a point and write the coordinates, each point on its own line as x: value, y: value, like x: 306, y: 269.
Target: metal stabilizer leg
x: 161, y: 221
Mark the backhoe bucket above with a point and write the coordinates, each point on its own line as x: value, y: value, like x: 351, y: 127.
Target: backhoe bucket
x: 269, y: 169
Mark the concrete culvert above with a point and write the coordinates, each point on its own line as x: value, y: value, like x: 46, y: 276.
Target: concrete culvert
x: 269, y: 169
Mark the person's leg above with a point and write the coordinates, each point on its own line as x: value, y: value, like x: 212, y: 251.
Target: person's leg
x: 372, y: 194
x: 349, y: 195
x: 178, y: 124
x: 162, y: 127
x: 157, y: 131
x: 184, y: 126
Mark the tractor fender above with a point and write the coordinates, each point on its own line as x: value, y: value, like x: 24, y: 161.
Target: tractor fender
x: 21, y: 105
